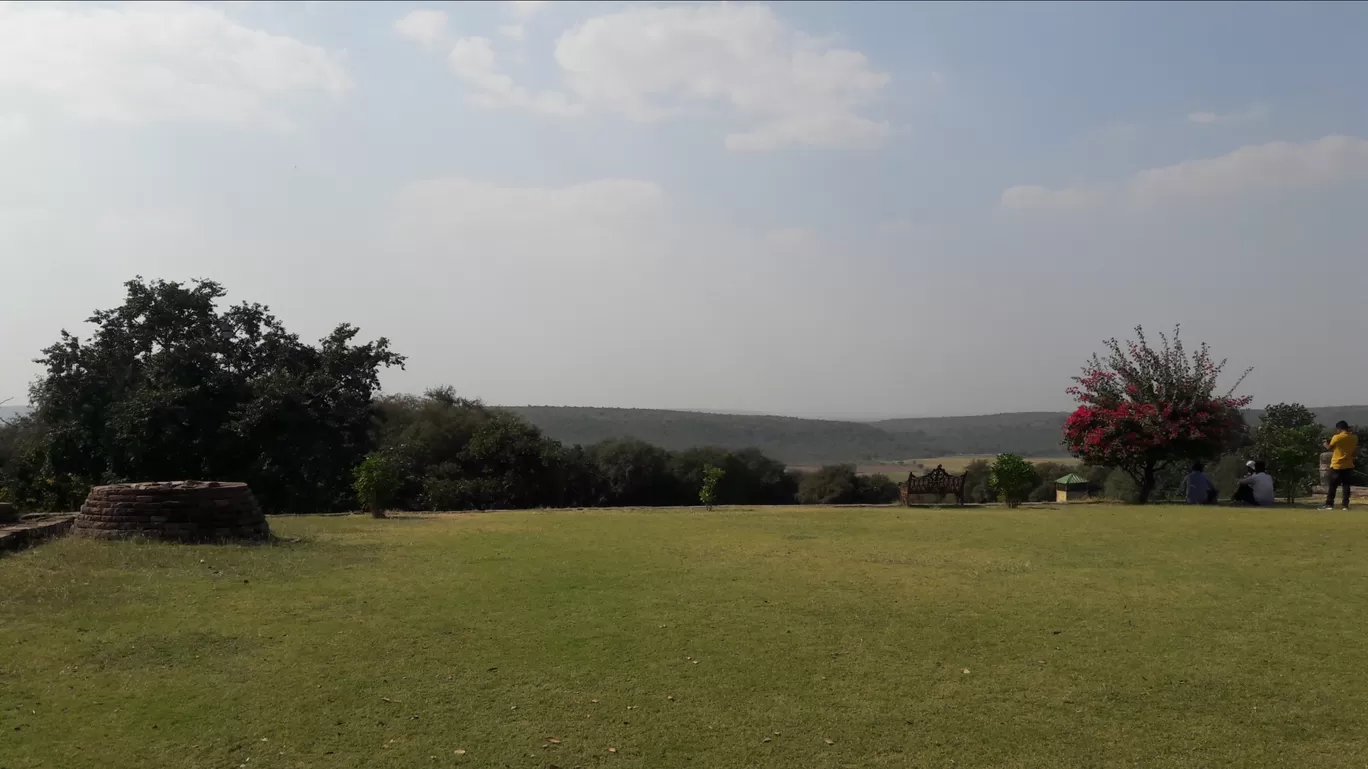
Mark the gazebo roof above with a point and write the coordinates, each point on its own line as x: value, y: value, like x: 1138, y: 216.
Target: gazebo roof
x: 1072, y: 479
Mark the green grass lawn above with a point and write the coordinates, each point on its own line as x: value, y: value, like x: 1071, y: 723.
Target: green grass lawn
x: 1084, y: 637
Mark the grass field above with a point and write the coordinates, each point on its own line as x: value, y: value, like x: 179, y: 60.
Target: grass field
x: 1097, y: 637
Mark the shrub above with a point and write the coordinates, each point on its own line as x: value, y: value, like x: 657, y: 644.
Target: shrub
x: 1047, y: 473
x: 708, y: 494
x: 829, y: 485
x: 1120, y: 487
x: 1014, y: 478
x: 377, y: 481
x: 876, y: 489
x: 978, y: 486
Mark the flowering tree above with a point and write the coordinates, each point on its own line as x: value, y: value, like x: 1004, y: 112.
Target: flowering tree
x: 1143, y: 408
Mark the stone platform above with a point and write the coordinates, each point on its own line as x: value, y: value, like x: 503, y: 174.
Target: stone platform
x: 31, y: 530
x: 178, y: 511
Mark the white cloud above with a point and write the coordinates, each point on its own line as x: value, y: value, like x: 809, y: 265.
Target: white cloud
x: 14, y: 126
x: 1272, y: 167
x: 524, y: 9
x: 513, y: 31
x: 427, y: 28
x: 784, y: 88
x: 154, y: 62
x: 472, y: 60
x: 790, y: 89
x: 1256, y: 112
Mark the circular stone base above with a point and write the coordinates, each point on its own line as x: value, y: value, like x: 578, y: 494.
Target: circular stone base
x: 179, y: 511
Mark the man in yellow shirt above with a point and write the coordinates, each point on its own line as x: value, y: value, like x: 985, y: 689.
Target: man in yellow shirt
x: 1343, y: 445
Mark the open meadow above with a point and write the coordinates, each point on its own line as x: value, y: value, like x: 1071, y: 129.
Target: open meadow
x: 771, y: 637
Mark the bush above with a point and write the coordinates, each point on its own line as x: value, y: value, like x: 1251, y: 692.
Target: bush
x: 377, y: 481
x: 635, y: 473
x: 978, y: 485
x: 829, y: 485
x: 1048, y: 473
x: 708, y: 493
x: 877, y: 489
x: 1120, y: 487
x: 1013, y: 477
x: 842, y: 485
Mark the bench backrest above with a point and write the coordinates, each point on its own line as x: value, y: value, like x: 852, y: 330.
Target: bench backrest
x: 935, y: 482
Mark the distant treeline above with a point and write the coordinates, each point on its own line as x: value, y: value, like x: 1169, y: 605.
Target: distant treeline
x: 453, y: 453
x: 171, y: 385
x: 815, y: 441
x: 459, y: 454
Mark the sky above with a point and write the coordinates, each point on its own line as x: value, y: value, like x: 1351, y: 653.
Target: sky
x: 839, y: 210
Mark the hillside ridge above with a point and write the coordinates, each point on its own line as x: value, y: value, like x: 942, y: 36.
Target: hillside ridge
x: 809, y: 441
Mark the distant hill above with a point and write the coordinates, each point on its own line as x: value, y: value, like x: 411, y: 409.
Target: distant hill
x: 791, y: 440
x: 1028, y: 433
x: 819, y: 441
x: 815, y: 441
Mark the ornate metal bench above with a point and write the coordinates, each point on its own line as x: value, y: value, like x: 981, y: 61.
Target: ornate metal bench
x: 935, y: 482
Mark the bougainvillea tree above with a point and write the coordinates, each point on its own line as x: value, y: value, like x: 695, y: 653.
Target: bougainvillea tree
x: 1143, y: 409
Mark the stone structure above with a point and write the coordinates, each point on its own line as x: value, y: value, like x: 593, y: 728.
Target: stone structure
x: 936, y: 482
x: 182, y: 511
x: 32, y: 529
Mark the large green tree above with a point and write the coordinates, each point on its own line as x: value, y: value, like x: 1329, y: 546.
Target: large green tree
x: 1289, y: 439
x: 171, y: 386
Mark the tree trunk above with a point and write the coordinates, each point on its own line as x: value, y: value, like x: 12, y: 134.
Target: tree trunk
x: 1147, y: 481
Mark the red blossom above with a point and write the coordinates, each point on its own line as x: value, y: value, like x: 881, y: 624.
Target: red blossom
x: 1145, y: 406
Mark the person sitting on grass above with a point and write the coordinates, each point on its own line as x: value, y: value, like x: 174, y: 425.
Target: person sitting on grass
x: 1198, y: 488
x: 1254, y: 489
x: 1343, y: 445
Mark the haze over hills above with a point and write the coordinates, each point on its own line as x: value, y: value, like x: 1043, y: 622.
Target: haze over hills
x: 789, y: 439
x: 816, y: 441
x: 1028, y: 433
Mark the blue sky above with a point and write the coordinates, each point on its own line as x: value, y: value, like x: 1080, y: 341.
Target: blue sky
x: 818, y: 209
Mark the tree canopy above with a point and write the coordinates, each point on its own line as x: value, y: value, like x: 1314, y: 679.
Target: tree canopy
x: 1144, y: 408
x: 171, y: 387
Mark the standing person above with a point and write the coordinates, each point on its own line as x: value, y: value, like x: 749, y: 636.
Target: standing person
x: 1343, y: 445
x: 1256, y: 488
x: 1197, y: 486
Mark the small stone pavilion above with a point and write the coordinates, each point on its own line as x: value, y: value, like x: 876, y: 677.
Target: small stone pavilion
x: 1071, y: 488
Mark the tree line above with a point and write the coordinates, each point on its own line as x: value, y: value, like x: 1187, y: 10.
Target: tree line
x: 169, y: 386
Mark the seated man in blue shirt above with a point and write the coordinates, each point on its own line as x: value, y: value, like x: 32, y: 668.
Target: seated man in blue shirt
x: 1198, y: 488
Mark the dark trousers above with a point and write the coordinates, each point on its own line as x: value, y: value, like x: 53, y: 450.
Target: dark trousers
x: 1339, y: 478
x: 1244, y: 494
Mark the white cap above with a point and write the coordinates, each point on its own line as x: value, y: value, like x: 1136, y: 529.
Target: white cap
x: 1250, y: 464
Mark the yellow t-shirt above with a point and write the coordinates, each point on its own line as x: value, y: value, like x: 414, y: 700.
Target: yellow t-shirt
x: 1343, y: 445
